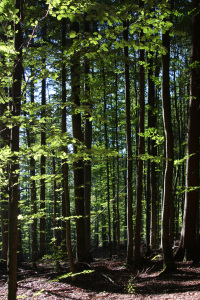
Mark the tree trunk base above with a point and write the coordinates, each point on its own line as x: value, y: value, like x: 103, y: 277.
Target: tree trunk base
x: 168, y: 270
x: 179, y: 254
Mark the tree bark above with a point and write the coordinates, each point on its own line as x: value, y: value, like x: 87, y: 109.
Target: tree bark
x: 88, y: 144
x: 129, y: 151
x: 153, y: 98
x: 168, y: 178
x: 78, y: 164
x: 151, y: 95
x: 14, y: 172
x: 65, y: 195
x: 117, y: 149
x: 139, y: 188
x: 31, y: 141
x: 107, y: 166
x: 43, y: 171
x: 189, y: 241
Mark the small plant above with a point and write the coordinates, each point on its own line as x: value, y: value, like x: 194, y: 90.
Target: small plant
x: 130, y: 288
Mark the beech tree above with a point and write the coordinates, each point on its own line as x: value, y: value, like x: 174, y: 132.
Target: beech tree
x: 14, y: 144
x: 88, y: 144
x: 78, y: 166
x: 129, y: 151
x: 168, y: 179
x: 140, y: 151
x: 66, y: 212
x: 43, y: 158
x: 31, y: 140
x: 189, y: 234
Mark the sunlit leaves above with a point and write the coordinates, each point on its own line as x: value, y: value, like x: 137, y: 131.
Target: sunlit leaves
x: 154, y: 135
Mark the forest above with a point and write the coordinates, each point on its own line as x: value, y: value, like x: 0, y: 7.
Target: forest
x: 99, y: 135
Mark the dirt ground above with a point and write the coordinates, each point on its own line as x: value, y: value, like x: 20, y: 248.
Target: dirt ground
x: 106, y: 279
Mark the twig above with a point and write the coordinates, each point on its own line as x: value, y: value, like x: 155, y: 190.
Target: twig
x: 109, y: 279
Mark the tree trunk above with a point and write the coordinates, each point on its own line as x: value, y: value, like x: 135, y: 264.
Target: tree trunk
x: 117, y: 149
x: 107, y: 166
x: 65, y: 195
x: 151, y: 95
x: 129, y: 152
x: 66, y: 231
x: 139, y: 191
x: 78, y: 164
x: 189, y: 241
x: 43, y: 171
x: 167, y: 195
x: 14, y: 172
x: 88, y: 143
x: 31, y: 141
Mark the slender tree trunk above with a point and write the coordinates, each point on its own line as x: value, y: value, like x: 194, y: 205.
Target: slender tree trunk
x: 78, y: 164
x: 43, y: 171
x: 151, y: 95
x: 129, y: 152
x: 31, y: 141
x: 148, y: 200
x: 153, y: 152
x: 117, y: 149
x: 66, y: 233
x: 65, y: 194
x: 107, y: 167
x: 140, y: 161
x: 175, y: 228
x: 34, y: 204
x: 88, y: 143
x: 14, y: 175
x: 154, y: 178
x: 103, y: 219
x: 189, y: 242
x: 168, y: 179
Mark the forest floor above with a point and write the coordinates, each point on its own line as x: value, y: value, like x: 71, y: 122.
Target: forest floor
x: 107, y: 279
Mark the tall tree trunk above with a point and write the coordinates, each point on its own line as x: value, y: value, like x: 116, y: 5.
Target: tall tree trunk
x: 151, y: 95
x: 153, y: 179
x: 65, y: 195
x: 107, y: 166
x: 140, y: 152
x: 129, y: 151
x: 43, y: 171
x: 66, y: 233
x: 31, y: 141
x: 168, y: 179
x: 14, y: 172
x: 78, y: 164
x: 189, y: 241
x: 117, y: 149
x: 174, y: 228
x: 88, y: 143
